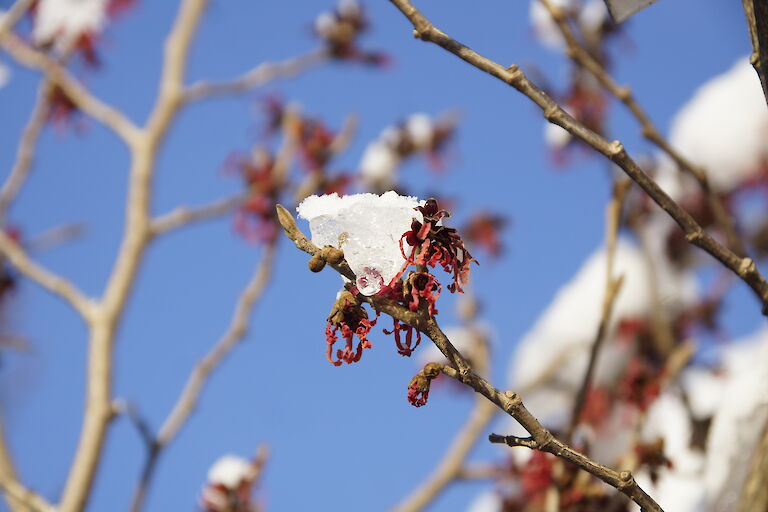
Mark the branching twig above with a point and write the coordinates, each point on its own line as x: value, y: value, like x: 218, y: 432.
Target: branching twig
x: 451, y: 465
x: 80, y: 96
x: 257, y: 77
x: 185, y: 215
x: 144, y: 145
x: 461, y: 370
x: 14, y: 14
x: 51, y: 282
x: 583, y: 58
x: 745, y: 268
x: 612, y: 288
x: 190, y: 395
x: 26, y: 150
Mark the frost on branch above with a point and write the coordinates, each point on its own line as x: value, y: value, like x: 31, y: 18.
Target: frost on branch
x: 367, y: 228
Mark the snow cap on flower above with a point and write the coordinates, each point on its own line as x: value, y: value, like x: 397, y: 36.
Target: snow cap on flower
x: 367, y: 227
x: 724, y: 127
x: 65, y: 21
x: 230, y: 471
x: 420, y: 129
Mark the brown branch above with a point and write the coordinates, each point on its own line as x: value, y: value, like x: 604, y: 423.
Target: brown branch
x: 583, y: 58
x: 80, y: 96
x: 612, y: 289
x: 25, y: 151
x: 190, y: 395
x: 450, y: 467
x: 754, y: 493
x: 259, y: 76
x: 461, y: 370
x: 743, y: 267
x: 184, y: 215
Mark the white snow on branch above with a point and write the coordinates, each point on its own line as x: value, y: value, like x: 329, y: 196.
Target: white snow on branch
x: 367, y: 227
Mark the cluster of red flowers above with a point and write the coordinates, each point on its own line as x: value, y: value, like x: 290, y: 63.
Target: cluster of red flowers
x: 340, y: 30
x: 348, y: 316
x: 432, y: 243
x: 255, y: 219
x: 483, y: 230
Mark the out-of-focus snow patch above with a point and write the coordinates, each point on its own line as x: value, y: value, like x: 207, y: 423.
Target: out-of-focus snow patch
x: 549, y: 364
x: 593, y: 16
x: 724, y: 127
x: 546, y: 30
x: 64, y: 21
x: 741, y: 414
x: 367, y: 227
x: 230, y: 471
x: 379, y: 164
x: 489, y: 501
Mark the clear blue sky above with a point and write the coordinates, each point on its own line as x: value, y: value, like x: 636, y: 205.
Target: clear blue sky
x: 341, y: 438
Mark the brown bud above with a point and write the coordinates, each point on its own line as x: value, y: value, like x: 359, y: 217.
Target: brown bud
x: 316, y: 263
x: 333, y: 255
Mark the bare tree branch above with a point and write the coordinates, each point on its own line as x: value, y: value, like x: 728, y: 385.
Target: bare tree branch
x: 84, y: 100
x: 460, y: 369
x: 144, y: 146
x: 745, y: 268
x: 259, y: 76
x: 51, y: 282
x: 583, y: 58
x: 25, y: 151
x: 190, y: 395
x: 9, y: 19
x: 185, y: 215
x: 612, y: 289
x: 757, y: 22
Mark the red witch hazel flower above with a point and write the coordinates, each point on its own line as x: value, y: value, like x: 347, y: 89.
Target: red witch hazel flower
x: 432, y: 243
x: 418, y: 388
x: 348, y: 316
x: 255, y: 219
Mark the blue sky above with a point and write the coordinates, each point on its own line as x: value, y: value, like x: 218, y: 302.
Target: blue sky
x: 340, y: 438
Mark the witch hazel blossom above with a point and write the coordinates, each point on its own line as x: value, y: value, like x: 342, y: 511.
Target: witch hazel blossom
x: 381, y: 237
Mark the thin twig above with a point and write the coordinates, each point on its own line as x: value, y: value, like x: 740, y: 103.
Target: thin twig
x: 80, y: 96
x: 51, y: 282
x: 25, y: 151
x: 745, y: 268
x: 612, y: 289
x: 184, y: 215
x: 461, y: 370
x: 451, y: 465
x: 190, y: 395
x: 259, y: 76
x: 583, y: 58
